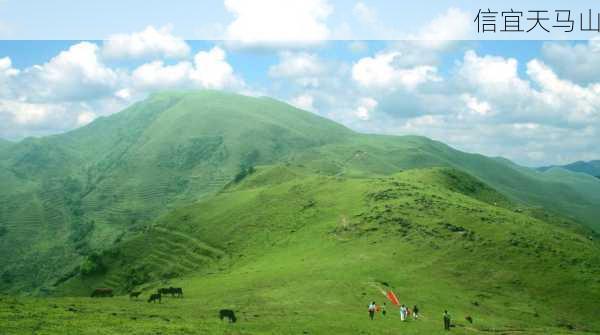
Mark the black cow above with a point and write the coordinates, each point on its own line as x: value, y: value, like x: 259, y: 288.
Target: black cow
x: 154, y: 297
x: 229, y: 314
x: 173, y: 291
x: 134, y: 294
x: 102, y: 292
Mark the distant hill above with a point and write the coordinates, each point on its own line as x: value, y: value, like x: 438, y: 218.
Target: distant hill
x: 68, y: 198
x: 592, y: 167
x: 4, y: 144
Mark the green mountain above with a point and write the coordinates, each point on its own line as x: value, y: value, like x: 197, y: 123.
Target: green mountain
x: 592, y: 167
x: 251, y: 203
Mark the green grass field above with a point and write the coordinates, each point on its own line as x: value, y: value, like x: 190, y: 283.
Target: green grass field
x: 309, y: 253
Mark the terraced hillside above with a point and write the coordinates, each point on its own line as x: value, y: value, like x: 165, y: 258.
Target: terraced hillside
x: 69, y: 198
x: 295, y: 252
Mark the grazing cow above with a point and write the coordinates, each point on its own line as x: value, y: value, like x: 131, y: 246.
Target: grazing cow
x: 102, y: 292
x: 469, y: 319
x: 154, y: 297
x: 173, y: 291
x: 229, y: 314
x: 134, y: 294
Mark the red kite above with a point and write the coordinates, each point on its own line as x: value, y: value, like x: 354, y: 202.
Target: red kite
x: 390, y: 295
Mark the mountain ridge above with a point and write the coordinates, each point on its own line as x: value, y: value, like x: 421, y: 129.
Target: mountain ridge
x: 588, y: 167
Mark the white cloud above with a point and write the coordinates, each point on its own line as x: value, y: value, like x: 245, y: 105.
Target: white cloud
x: 85, y: 118
x: 296, y: 64
x: 74, y: 74
x: 213, y: 71
x: 210, y: 69
x: 25, y: 113
x: 495, y: 76
x: 305, y: 102
x: 365, y: 107
x: 302, y: 67
x: 6, y: 69
x: 157, y: 75
x: 439, y: 33
x: 124, y: 94
x: 475, y: 106
x: 381, y: 72
x: 276, y: 22
x: 7, y: 76
x: 150, y: 42
x: 577, y: 103
x: 576, y: 61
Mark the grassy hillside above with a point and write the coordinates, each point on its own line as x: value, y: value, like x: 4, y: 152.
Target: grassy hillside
x: 570, y: 194
x: 69, y: 198
x: 295, y: 252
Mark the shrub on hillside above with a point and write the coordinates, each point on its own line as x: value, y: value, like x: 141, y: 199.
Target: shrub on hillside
x: 3, y: 231
x: 136, y: 277
x: 81, y: 230
x: 92, y: 265
x: 245, y: 171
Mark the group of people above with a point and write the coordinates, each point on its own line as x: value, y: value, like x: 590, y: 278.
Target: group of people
x: 405, y: 312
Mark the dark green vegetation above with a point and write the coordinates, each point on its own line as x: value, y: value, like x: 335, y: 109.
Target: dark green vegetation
x: 592, y: 167
x: 293, y: 221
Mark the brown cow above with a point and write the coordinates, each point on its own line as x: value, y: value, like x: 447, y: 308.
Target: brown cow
x: 102, y: 292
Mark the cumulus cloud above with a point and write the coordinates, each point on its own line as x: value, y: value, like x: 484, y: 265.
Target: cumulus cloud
x: 381, y: 72
x: 276, y: 22
x: 213, y: 71
x: 541, y: 97
x: 495, y: 76
x: 576, y: 61
x: 576, y: 103
x: 75, y: 74
x: 476, y: 106
x: 209, y: 69
x: 302, y: 67
x: 150, y: 42
x: 6, y: 69
x: 26, y: 113
x: 364, y: 108
x: 7, y: 75
x: 452, y: 25
x: 156, y: 75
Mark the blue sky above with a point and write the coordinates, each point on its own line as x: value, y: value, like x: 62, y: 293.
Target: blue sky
x: 207, y: 19
x: 534, y: 102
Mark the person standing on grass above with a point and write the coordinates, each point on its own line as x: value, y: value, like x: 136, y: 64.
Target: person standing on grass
x: 372, y: 308
x: 415, y: 312
x: 446, y: 320
x: 383, y: 309
x: 402, y: 312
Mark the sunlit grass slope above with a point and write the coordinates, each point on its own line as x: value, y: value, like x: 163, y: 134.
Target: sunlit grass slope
x: 293, y: 252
